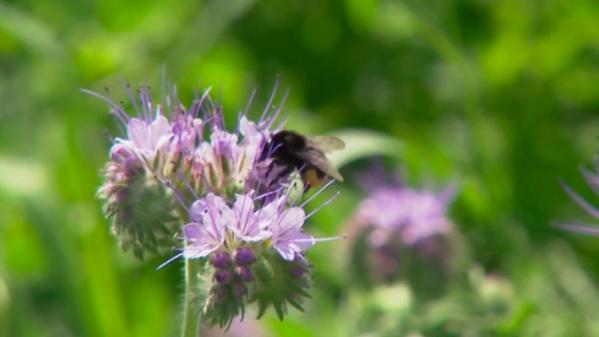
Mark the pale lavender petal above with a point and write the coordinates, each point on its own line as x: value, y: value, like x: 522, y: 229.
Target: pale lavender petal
x: 288, y: 239
x: 159, y: 127
x: 292, y: 218
x: 302, y: 242
x: 285, y: 250
x: 247, y: 225
x: 201, y: 241
x: 196, y: 210
x: 137, y: 132
x: 244, y: 208
x: 266, y: 215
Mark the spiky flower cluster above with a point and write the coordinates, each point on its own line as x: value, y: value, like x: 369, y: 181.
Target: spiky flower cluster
x: 172, y: 154
x: 254, y: 248
x: 179, y: 173
x: 398, y: 228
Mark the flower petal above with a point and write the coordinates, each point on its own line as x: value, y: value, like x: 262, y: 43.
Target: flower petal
x: 200, y: 241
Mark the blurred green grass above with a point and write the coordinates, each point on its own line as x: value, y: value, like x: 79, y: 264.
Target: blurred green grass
x: 501, y: 97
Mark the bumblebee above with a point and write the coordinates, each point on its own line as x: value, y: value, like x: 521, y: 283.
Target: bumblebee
x: 307, y: 154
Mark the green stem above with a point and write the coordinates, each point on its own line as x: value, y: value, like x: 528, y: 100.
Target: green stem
x: 191, y: 313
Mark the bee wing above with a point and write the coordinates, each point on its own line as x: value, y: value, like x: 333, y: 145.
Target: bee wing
x: 319, y: 160
x: 326, y: 143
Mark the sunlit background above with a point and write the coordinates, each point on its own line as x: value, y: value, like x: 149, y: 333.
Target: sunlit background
x: 498, y: 97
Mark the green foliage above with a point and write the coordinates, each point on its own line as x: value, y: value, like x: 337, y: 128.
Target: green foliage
x: 498, y: 96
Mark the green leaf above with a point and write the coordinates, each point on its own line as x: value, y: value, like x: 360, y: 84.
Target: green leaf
x: 364, y: 143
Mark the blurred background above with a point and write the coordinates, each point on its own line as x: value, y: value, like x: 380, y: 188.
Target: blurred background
x: 499, y: 97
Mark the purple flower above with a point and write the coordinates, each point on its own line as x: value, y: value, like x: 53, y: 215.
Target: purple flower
x: 252, y: 225
x: 413, y: 214
x: 287, y: 236
x: 147, y: 137
x: 592, y: 179
x: 210, y: 217
x: 402, y: 233
x: 226, y: 161
x: 187, y: 131
x: 267, y: 243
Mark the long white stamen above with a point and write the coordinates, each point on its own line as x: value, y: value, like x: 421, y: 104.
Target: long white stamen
x: 580, y: 201
x: 332, y: 238
x: 278, y: 111
x: 132, y: 99
x: 264, y: 195
x: 578, y: 228
x: 270, y: 101
x: 326, y: 203
x: 280, y: 126
x: 145, y: 103
x: 320, y: 190
x: 119, y: 112
x: 200, y: 102
x: 249, y: 104
x: 169, y: 261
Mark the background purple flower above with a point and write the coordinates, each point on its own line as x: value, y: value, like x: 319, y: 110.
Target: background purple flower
x: 414, y: 214
x: 402, y: 233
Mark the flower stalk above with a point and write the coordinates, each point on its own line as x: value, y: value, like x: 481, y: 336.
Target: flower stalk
x: 192, y: 321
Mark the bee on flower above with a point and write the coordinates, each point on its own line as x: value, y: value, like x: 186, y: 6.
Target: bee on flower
x: 180, y: 178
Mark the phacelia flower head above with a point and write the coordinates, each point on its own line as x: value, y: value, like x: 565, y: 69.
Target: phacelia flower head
x: 170, y: 154
x: 256, y: 250
x: 397, y: 227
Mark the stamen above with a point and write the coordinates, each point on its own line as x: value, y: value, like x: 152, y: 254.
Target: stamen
x: 263, y: 195
x: 276, y: 114
x: 200, y: 103
x: 131, y: 98
x: 247, y: 218
x: 332, y: 238
x: 116, y: 110
x: 580, y: 201
x: 249, y: 103
x: 144, y: 103
x: 326, y: 203
x: 270, y: 101
x: 579, y: 228
x: 280, y: 126
x: 320, y: 190
x: 169, y: 261
x: 176, y: 103
x: 591, y: 178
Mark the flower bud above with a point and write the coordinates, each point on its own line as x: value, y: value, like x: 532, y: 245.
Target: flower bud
x: 298, y: 271
x: 223, y: 276
x: 245, y: 273
x: 244, y: 256
x: 220, y: 260
x: 140, y: 209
